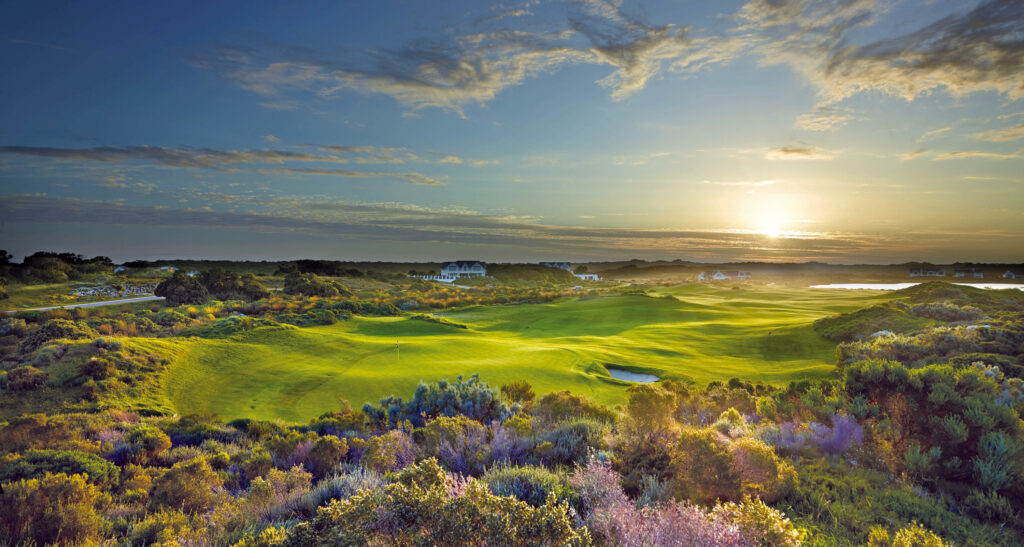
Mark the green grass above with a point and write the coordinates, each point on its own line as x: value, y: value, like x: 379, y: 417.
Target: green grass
x: 696, y: 333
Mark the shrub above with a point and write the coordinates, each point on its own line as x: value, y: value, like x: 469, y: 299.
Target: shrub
x: 703, y: 468
x: 26, y: 378
x: 98, y: 368
x: 55, y: 329
x: 730, y: 423
x: 391, y: 451
x: 560, y: 406
x: 309, y: 284
x: 519, y: 392
x: 278, y: 493
x: 161, y: 527
x: 341, y: 486
x: 182, y: 289
x: 531, y: 484
x: 571, y: 443
x: 146, y: 443
x: 615, y: 520
x: 763, y: 474
x: 422, y: 507
x: 54, y: 509
x: 190, y: 487
x: 471, y: 398
x: 836, y: 440
x: 916, y: 536
x: 459, y: 443
x: 767, y: 526
x: 35, y: 463
x: 325, y: 453
x: 90, y: 391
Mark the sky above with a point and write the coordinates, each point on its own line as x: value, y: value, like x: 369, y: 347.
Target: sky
x: 854, y: 131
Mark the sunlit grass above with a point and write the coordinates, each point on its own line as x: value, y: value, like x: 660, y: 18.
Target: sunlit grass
x: 696, y: 333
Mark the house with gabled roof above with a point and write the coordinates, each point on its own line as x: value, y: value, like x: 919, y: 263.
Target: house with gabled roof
x: 720, y: 275
x: 464, y: 268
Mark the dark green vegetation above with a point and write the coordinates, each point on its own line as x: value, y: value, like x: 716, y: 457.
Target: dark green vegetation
x: 753, y: 438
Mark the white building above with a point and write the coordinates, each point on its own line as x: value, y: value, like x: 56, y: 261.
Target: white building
x: 927, y: 272
x: 969, y: 273
x: 588, y: 277
x: 1012, y: 275
x: 719, y: 275
x: 464, y: 268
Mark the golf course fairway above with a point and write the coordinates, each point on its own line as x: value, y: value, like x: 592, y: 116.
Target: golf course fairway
x: 695, y: 333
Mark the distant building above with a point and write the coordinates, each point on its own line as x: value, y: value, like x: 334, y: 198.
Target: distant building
x: 463, y: 268
x: 720, y: 275
x: 969, y: 273
x: 567, y: 266
x: 439, y: 278
x: 588, y: 277
x: 1012, y: 275
x: 168, y: 268
x: 927, y: 272
x: 119, y: 269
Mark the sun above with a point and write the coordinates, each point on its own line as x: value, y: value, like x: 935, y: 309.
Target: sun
x: 770, y: 223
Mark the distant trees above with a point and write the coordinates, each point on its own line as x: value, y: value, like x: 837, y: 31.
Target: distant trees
x: 48, y: 267
x: 227, y: 285
x: 182, y: 288
x: 309, y: 284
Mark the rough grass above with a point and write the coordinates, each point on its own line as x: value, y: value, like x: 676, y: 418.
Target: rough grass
x: 695, y: 333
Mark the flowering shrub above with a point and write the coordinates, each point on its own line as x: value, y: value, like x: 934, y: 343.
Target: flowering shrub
x: 766, y: 526
x: 836, y: 440
x: 420, y: 508
x: 391, y: 451
x: 615, y: 520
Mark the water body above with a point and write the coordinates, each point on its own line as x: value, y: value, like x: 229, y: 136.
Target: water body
x: 898, y: 286
x: 628, y: 376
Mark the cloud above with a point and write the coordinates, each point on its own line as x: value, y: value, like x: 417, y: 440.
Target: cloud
x: 173, y: 157
x: 976, y: 154
x: 642, y: 160
x: 934, y: 133
x: 797, y: 153
x: 980, y: 50
x: 912, y: 155
x: 1001, y: 135
x: 230, y: 160
x: 474, y: 68
x: 971, y: 51
x: 412, y: 178
x: 744, y: 183
x: 823, y: 118
x: 487, y: 234
x: 637, y: 50
x: 402, y: 223
x: 271, y: 139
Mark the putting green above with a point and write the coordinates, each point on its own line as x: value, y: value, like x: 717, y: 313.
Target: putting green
x: 692, y: 332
